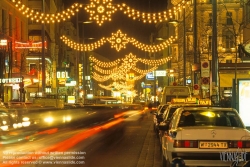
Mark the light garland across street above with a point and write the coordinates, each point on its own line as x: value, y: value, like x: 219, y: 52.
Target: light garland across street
x: 122, y: 67
x: 100, y: 11
x: 118, y: 41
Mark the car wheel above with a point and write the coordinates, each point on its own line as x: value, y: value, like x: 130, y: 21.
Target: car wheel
x: 165, y: 163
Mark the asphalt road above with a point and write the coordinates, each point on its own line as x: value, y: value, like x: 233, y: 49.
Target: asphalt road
x: 127, y: 141
x: 136, y: 145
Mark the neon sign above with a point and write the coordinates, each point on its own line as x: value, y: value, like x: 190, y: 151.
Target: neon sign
x: 29, y: 45
x: 62, y: 74
x: 10, y: 80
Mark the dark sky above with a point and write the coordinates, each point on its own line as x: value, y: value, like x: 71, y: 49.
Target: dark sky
x: 133, y: 28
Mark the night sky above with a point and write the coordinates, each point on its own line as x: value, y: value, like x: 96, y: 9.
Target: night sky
x: 133, y: 28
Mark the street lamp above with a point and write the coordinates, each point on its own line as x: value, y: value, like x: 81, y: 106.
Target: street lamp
x: 175, y: 22
x: 84, y: 61
x: 3, y: 48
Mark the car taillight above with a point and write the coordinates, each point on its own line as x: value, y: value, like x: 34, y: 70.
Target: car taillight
x: 239, y: 144
x: 185, y: 143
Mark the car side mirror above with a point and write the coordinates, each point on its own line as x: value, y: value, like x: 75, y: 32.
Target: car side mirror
x: 173, y: 134
x: 163, y: 126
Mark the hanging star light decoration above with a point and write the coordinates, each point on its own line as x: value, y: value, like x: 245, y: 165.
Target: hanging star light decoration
x: 130, y: 60
x: 100, y: 11
x: 127, y: 65
x: 118, y: 41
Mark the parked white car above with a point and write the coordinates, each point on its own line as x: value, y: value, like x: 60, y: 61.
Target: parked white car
x: 205, y: 136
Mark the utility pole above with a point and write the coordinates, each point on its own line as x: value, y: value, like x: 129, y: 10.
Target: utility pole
x: 184, y: 47
x: 77, y: 60
x: 195, y: 40
x: 43, y: 53
x: 215, y: 73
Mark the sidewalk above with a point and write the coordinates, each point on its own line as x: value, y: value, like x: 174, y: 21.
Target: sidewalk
x: 151, y: 152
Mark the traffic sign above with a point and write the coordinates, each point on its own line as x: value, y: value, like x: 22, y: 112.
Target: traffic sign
x: 205, y: 64
x: 205, y: 80
x: 205, y: 69
x: 196, y: 87
x: 150, y: 76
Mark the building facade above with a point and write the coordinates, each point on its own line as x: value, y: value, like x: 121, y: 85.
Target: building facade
x: 14, y: 29
x: 193, y: 27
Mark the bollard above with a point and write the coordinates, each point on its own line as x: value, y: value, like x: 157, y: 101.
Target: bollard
x: 246, y: 164
x: 178, y: 162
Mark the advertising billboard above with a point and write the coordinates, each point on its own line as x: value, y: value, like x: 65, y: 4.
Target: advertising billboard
x: 244, y: 99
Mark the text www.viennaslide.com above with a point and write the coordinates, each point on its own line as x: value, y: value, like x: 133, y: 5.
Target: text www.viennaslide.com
x: 45, y: 162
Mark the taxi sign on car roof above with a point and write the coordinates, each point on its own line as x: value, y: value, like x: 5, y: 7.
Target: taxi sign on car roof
x: 191, y: 100
x: 184, y: 101
x: 204, y: 102
x: 174, y: 101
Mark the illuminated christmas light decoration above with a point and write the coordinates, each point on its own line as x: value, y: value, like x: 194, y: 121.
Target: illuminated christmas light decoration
x: 130, y: 60
x: 104, y: 64
x: 83, y: 47
x: 118, y: 41
x: 118, y: 86
x: 29, y: 45
x: 47, y: 18
x: 100, y: 11
x: 128, y: 64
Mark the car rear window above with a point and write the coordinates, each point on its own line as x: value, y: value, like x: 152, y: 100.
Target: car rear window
x: 163, y: 108
x: 210, y: 118
x: 168, y: 115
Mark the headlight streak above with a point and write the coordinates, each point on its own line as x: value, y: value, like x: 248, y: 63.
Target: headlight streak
x: 48, y: 119
x: 68, y: 143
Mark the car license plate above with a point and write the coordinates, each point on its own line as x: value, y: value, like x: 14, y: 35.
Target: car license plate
x: 208, y: 144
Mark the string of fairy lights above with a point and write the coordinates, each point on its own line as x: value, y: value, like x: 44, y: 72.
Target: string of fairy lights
x: 100, y: 11
x: 117, y: 85
x: 118, y: 41
x: 120, y: 71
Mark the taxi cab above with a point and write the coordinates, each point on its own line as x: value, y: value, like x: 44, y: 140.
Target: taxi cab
x: 203, y: 136
x: 158, y: 115
x: 177, y: 103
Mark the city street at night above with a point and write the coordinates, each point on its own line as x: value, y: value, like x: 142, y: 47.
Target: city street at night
x: 124, y: 83
x: 128, y: 142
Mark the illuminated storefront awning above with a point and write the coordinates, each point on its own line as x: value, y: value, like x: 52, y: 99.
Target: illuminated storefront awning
x: 226, y: 80
x: 27, y: 79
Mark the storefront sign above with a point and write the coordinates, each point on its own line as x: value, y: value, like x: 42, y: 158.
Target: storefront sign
x: 160, y: 73
x: 72, y: 83
x: 71, y: 99
x: 244, y: 99
x: 3, y: 42
x: 150, y: 76
x: 10, y: 80
x: 62, y: 74
x: 29, y: 44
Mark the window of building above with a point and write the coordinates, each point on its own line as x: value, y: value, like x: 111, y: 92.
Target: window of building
x: 228, y: 61
x: 228, y: 39
x: 21, y: 31
x: 210, y: 20
x: 10, y: 25
x: 210, y: 42
x: 229, y: 18
x: 3, y: 21
x: 16, y: 29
